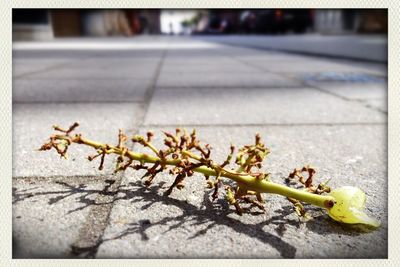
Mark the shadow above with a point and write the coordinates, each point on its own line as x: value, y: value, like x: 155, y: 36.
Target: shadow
x: 80, y: 192
x: 214, y: 214
x: 211, y: 214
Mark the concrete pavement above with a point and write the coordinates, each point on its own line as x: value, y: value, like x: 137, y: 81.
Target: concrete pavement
x: 325, y: 112
x: 357, y: 47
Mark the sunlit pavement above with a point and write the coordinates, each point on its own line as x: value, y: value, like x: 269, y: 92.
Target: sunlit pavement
x: 326, y: 112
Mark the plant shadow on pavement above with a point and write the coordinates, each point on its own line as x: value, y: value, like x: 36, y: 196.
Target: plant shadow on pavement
x: 215, y: 213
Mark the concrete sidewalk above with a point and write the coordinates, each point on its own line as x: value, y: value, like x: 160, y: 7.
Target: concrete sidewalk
x: 357, y: 47
x: 329, y: 113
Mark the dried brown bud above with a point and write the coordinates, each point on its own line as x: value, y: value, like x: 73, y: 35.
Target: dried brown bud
x: 232, y: 149
x: 72, y: 127
x: 46, y: 146
x: 150, y: 134
x: 258, y: 139
x: 137, y: 138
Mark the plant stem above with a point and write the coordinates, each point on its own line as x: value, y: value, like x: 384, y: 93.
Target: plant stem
x: 245, y: 181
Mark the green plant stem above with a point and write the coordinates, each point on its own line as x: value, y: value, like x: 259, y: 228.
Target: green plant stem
x: 245, y: 181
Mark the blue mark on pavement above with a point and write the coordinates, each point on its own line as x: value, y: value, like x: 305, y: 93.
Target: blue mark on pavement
x: 343, y: 77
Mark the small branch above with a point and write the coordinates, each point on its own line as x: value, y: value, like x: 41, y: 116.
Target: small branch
x: 179, y: 155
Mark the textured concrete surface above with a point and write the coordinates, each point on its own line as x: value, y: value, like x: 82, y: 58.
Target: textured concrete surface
x: 379, y: 104
x: 221, y: 79
x: 25, y: 66
x: 254, y: 106
x: 117, y: 70
x: 33, y: 90
x: 49, y: 212
x: 211, y: 65
x: 357, y: 91
x: 144, y: 223
x: 313, y: 65
x: 367, y: 47
x: 280, y: 62
x: 32, y: 127
x: 68, y: 208
x: 372, y: 95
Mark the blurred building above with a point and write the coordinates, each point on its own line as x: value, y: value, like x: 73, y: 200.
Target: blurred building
x: 345, y: 21
x: 282, y: 21
x: 31, y: 24
x: 177, y: 21
x: 41, y: 24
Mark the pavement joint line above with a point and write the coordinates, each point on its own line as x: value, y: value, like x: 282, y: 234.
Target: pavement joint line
x: 80, y: 102
x: 233, y: 87
x: 96, y: 221
x: 365, y: 104
x: 57, y: 66
x: 246, y: 63
x: 316, y: 88
x: 91, y: 233
x: 294, y: 79
x: 127, y: 78
x: 153, y: 86
x: 355, y: 124
x: 373, y: 108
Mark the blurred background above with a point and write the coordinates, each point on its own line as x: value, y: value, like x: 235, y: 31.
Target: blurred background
x: 42, y: 24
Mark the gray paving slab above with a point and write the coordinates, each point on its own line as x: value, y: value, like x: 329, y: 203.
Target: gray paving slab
x: 314, y: 66
x: 86, y: 54
x: 295, y: 63
x: 212, y: 66
x: 254, y: 106
x: 356, y: 91
x: 218, y: 79
x: 127, y: 61
x: 80, y: 90
x: 256, y: 55
x: 48, y: 214
x: 32, y: 127
x: 111, y: 71
x: 194, y: 54
x: 364, y: 47
x: 22, y: 67
x: 145, y: 224
x: 201, y: 60
x: 379, y: 104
